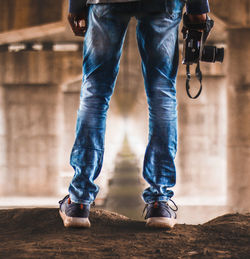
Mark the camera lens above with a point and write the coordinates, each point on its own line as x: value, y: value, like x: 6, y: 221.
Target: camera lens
x: 212, y: 54
x: 219, y: 55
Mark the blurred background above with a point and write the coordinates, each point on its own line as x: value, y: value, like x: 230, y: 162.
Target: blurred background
x: 40, y: 80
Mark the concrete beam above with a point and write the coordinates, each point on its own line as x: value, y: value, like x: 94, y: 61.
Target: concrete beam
x: 235, y: 13
x: 31, y: 33
x: 42, y: 67
x: 16, y: 14
x: 30, y: 19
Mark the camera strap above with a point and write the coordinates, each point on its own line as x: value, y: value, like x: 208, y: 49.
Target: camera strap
x: 198, y: 75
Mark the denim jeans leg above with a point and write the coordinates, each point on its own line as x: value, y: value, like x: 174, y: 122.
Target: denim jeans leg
x: 102, y: 50
x: 157, y: 37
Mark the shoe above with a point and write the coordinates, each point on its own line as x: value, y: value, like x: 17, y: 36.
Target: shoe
x: 160, y: 215
x: 74, y: 214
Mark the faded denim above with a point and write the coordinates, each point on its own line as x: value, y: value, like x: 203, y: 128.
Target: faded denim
x: 157, y: 37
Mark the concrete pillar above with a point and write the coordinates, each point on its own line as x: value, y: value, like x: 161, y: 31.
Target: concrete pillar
x: 3, y: 162
x: 31, y: 105
x: 239, y: 119
x: 201, y: 156
x: 31, y: 119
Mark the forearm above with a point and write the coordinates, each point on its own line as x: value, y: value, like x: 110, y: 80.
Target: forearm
x: 77, y: 6
x: 197, y: 6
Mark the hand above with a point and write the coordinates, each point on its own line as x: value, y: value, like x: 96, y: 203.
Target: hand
x: 197, y: 18
x: 78, y: 23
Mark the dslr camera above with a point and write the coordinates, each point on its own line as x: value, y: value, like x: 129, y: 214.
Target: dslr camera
x: 195, y: 36
x: 195, y: 50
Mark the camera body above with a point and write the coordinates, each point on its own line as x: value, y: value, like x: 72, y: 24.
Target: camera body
x: 194, y: 49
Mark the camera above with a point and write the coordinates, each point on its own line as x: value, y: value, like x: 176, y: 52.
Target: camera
x: 194, y: 51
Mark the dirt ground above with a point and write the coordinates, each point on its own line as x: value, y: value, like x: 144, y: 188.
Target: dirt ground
x: 39, y: 233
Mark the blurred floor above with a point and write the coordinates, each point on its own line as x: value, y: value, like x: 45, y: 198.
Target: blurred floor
x: 126, y: 186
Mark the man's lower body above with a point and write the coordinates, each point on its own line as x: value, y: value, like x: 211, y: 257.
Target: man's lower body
x: 157, y: 37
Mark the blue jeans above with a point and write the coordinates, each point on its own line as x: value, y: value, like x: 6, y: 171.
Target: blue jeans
x: 157, y: 37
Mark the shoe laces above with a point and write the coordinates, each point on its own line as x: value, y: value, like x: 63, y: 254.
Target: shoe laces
x: 175, y: 206
x: 166, y: 204
x: 62, y: 201
x: 67, y: 197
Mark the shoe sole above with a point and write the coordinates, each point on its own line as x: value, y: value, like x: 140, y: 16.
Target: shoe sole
x: 161, y: 222
x: 74, y: 221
